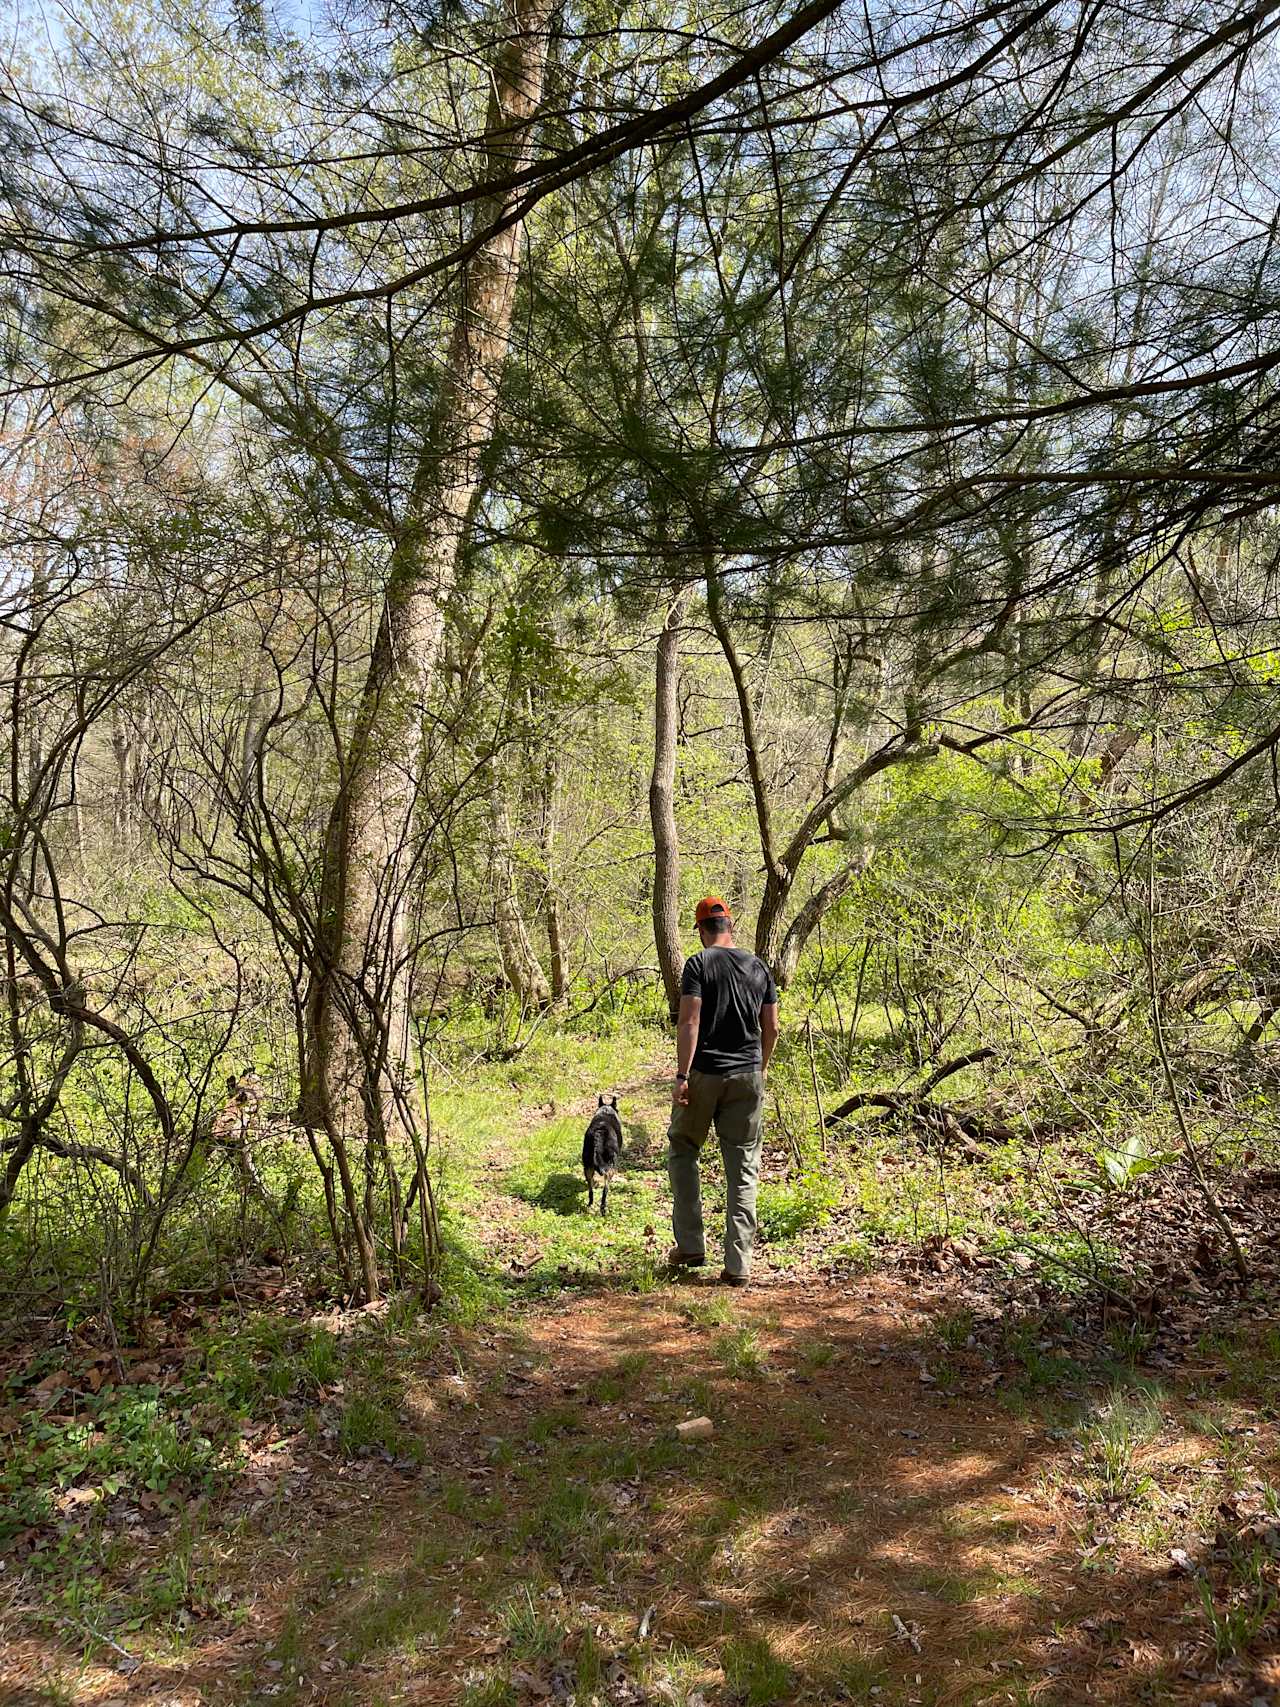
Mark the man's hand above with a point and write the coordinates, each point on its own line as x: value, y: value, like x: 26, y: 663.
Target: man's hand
x: 680, y: 1093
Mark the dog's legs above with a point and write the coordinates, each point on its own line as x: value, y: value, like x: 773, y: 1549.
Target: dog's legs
x: 591, y: 1190
x: 604, y: 1197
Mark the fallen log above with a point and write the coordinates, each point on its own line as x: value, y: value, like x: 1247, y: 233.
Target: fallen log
x: 957, y: 1065
x: 965, y: 1126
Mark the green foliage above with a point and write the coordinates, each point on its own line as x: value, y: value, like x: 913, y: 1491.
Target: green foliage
x: 572, y: 1522
x: 1118, y: 1428
x: 531, y: 1633
x: 784, y: 1211
x: 365, y: 1425
x: 128, y: 1440
x: 714, y: 1310
x: 753, y: 1673
x: 491, y: 1691
x: 742, y: 1353
x: 1237, y: 1614
x: 1122, y: 1165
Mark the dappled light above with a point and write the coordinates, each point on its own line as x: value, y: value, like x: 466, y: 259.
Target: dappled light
x: 640, y: 853
x: 495, y: 1508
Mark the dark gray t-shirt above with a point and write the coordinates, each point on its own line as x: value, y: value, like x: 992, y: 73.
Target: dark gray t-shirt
x: 734, y: 985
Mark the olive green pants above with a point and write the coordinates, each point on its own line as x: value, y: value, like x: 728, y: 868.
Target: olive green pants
x: 735, y: 1103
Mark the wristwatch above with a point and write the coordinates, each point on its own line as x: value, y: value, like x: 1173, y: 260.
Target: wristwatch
x: 682, y: 1078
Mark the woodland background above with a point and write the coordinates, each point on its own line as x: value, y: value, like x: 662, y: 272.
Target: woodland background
x: 475, y: 478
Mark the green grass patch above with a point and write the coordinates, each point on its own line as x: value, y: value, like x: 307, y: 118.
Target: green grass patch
x: 710, y: 1310
x: 742, y: 1353
x: 1111, y: 1439
x: 754, y: 1673
x: 572, y: 1523
x: 784, y: 1211
x: 490, y: 1104
x: 128, y: 1440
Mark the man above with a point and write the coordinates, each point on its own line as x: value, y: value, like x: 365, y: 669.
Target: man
x: 727, y: 1029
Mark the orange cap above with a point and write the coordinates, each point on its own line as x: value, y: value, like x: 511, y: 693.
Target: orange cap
x: 710, y: 907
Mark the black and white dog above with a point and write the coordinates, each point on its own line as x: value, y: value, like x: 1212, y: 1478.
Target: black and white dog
x: 601, y: 1147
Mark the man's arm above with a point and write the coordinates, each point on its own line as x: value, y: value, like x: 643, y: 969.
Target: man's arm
x: 686, y: 1042
x: 768, y: 1032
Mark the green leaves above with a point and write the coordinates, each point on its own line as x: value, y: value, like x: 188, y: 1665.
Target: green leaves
x: 1123, y: 1165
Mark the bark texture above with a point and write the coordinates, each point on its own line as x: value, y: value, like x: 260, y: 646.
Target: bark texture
x: 357, y: 1003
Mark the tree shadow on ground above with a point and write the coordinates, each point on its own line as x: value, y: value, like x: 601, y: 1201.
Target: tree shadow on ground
x: 847, y: 1534
x: 563, y: 1193
x: 645, y: 1149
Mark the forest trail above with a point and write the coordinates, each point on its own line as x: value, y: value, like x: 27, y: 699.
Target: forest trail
x: 526, y: 1199
x: 857, y: 1529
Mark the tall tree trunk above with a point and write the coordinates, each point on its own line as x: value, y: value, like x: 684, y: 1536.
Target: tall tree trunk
x: 662, y: 805
x: 519, y: 962
x: 122, y: 797
x: 778, y: 875
x: 555, y: 902
x: 357, y: 1019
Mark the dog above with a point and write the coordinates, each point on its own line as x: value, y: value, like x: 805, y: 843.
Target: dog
x: 601, y: 1147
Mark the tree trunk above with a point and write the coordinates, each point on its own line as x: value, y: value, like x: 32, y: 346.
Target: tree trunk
x: 357, y: 1018
x: 662, y: 809
x: 519, y: 962
x: 778, y: 874
x: 812, y: 914
x: 122, y: 801
x: 555, y: 904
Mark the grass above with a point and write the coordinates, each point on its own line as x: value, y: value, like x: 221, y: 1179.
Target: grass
x: 573, y: 1245
x: 753, y: 1672
x: 491, y: 1691
x: 713, y: 1310
x: 673, y: 1677
x: 785, y: 1211
x: 366, y: 1426
x: 967, y: 1587
x: 1236, y: 1620
x: 571, y: 1523
x: 620, y: 1379
x: 1121, y: 1425
x: 814, y: 1355
x: 530, y: 1632
x: 394, y: 1611
x: 1044, y: 1370
x: 742, y: 1353
x: 690, y: 1524
x: 1250, y: 1352
x: 852, y: 1677
x: 558, y: 1420
x: 954, y: 1329
x: 125, y: 1440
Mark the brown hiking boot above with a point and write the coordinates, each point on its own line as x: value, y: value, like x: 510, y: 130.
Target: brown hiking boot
x: 727, y: 1279
x: 676, y: 1258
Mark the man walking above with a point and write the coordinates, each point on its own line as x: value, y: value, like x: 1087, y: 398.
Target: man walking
x: 727, y: 1029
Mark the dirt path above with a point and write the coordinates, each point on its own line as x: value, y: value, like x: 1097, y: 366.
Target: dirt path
x: 858, y: 1528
